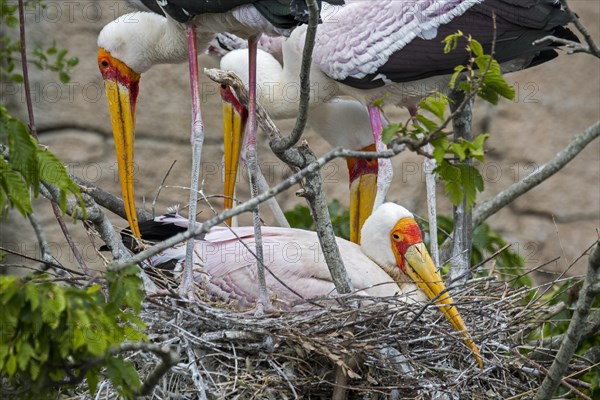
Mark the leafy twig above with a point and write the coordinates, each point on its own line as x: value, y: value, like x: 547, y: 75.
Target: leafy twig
x: 489, y: 207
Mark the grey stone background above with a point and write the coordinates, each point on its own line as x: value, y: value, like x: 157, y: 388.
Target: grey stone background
x: 554, y: 102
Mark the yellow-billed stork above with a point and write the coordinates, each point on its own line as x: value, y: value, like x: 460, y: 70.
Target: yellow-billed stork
x: 135, y: 42
x: 392, y: 50
x: 390, y: 261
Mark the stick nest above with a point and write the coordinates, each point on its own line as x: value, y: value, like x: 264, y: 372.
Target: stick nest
x: 386, y: 348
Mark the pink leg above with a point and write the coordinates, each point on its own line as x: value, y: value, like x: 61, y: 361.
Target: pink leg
x: 384, y: 170
x: 187, y: 286
x: 254, y: 171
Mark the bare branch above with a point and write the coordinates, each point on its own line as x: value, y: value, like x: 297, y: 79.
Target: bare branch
x: 279, y: 146
x: 581, y: 28
x: 161, y: 186
x: 109, y: 200
x: 571, y: 46
x: 491, y: 206
x: 23, y: 43
x: 63, y: 227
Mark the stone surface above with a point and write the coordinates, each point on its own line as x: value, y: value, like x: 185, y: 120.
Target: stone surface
x: 554, y: 102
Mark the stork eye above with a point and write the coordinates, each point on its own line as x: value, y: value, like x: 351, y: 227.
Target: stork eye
x: 223, y: 86
x: 104, y: 63
x: 396, y: 237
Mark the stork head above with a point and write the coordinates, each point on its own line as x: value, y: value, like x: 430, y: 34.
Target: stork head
x: 392, y: 238
x: 129, y: 46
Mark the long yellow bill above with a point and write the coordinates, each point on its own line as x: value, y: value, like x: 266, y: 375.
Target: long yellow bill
x: 234, y: 125
x: 363, y: 190
x: 413, y: 258
x: 121, y: 86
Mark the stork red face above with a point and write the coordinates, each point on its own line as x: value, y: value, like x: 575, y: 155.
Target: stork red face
x: 413, y: 259
x: 121, y: 84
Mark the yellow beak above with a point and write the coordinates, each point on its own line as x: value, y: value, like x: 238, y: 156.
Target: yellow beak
x: 362, y: 197
x: 420, y: 268
x: 234, y: 125
x: 121, y: 86
x: 363, y: 190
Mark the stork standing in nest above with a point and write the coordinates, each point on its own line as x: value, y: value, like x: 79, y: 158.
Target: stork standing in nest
x: 133, y: 43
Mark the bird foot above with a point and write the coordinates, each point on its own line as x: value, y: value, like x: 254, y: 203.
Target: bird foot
x: 187, y: 289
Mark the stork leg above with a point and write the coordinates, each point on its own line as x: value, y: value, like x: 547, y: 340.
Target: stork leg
x: 385, y: 171
x: 186, y: 287
x: 429, y: 165
x: 253, y: 169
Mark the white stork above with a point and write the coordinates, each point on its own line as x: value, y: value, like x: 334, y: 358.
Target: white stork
x: 391, y: 261
x: 392, y: 50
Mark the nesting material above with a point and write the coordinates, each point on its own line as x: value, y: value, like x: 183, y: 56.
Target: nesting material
x: 386, y: 347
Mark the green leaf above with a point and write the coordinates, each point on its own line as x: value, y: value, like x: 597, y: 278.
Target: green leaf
x: 64, y: 77
x: 92, y: 380
x: 32, y: 295
x: 24, y: 355
x: 14, y: 188
x: 429, y: 125
x: 451, y: 41
x: 476, y: 48
x: 22, y: 152
x: 123, y: 376
x: 477, y: 148
x: 72, y: 62
x: 17, y: 78
x: 54, y: 172
x: 11, y: 365
x: 457, y: 70
x: 440, y: 147
x: 389, y: 132
x: 34, y: 370
x: 460, y: 150
x: 435, y: 104
x: 454, y: 192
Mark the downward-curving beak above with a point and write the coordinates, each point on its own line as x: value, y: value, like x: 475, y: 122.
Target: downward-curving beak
x: 363, y: 189
x: 413, y: 258
x: 235, y: 116
x: 121, y: 84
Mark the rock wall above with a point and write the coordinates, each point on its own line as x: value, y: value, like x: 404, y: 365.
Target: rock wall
x: 554, y: 102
